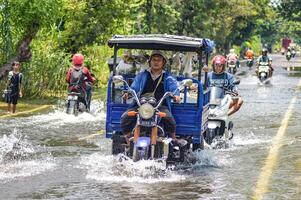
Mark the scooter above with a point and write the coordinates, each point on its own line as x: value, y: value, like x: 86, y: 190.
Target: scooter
x: 74, y: 105
x: 232, y: 66
x: 219, y: 126
x: 263, y: 71
x: 288, y: 55
x: 250, y: 62
x: 148, y: 140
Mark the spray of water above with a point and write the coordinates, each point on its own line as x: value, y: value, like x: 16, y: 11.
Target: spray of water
x: 106, y: 168
x: 60, y: 117
x: 19, y: 158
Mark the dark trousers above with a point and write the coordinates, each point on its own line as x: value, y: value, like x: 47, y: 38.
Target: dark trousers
x: 128, y: 123
x: 89, y: 96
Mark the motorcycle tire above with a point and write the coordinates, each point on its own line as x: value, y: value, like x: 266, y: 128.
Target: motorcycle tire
x: 75, y: 109
x: 70, y: 107
x: 210, y: 135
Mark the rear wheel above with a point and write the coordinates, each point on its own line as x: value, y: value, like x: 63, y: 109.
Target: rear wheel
x: 70, y: 107
x: 75, y: 108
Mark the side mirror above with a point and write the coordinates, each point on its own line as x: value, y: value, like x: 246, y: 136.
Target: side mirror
x: 187, y: 82
x: 117, y: 79
x: 236, y: 82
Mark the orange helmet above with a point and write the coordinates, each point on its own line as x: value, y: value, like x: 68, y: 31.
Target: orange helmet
x: 78, y: 59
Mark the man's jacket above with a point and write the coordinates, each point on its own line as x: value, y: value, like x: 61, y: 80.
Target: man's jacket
x: 169, y: 84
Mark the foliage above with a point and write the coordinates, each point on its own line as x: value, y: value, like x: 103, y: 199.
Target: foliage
x: 62, y: 27
x: 45, y: 74
x: 290, y: 9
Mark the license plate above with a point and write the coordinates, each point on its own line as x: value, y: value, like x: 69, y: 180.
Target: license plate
x: 74, y: 98
x: 146, y: 123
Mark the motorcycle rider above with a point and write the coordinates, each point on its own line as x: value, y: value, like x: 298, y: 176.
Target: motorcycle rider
x: 265, y: 58
x: 233, y: 56
x: 220, y: 77
x: 250, y: 54
x: 79, y: 79
x: 157, y: 81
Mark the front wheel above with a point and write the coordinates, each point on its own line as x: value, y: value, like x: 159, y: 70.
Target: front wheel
x: 210, y: 135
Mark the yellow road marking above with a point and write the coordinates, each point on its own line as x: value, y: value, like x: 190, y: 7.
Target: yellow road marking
x: 271, y: 161
x: 92, y: 135
x: 25, y: 112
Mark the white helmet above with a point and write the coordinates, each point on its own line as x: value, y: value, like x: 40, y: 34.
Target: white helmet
x: 232, y: 50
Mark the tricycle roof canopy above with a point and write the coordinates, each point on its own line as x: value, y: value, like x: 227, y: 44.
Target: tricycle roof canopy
x: 161, y: 42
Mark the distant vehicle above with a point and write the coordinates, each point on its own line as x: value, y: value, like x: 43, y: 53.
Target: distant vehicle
x: 288, y: 55
x: 250, y: 62
x: 285, y: 43
x: 232, y: 66
x: 263, y: 71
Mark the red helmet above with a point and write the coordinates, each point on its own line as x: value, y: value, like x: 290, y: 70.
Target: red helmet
x: 218, y: 60
x: 78, y: 59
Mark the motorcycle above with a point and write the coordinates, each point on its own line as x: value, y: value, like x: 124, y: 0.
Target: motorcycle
x: 219, y: 126
x: 148, y: 140
x: 232, y: 66
x: 74, y: 105
x: 250, y: 62
x: 288, y: 55
x: 263, y: 71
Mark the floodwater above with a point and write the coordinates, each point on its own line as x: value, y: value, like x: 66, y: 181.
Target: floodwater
x: 47, y: 156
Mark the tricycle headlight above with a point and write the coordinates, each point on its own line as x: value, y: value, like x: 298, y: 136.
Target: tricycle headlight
x: 146, y: 111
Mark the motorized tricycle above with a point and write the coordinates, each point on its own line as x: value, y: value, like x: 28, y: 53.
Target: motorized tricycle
x: 149, y: 140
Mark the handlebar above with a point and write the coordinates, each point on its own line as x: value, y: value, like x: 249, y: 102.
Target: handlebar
x: 133, y: 92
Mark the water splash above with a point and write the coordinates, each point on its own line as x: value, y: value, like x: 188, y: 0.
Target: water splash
x: 19, y: 158
x: 59, y: 116
x: 14, y: 147
x: 111, y: 169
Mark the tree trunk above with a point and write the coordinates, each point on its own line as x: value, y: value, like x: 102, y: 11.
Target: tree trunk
x: 149, y: 15
x: 23, y: 50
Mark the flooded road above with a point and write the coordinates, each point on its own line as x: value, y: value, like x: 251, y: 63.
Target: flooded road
x: 48, y: 156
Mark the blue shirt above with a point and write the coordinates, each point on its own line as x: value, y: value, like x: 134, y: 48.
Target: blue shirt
x: 169, y: 84
x: 224, y: 79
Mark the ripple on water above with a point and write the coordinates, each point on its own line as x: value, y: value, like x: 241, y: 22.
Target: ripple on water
x: 19, y: 158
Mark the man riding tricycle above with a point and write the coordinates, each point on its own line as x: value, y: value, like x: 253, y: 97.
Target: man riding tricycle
x: 152, y: 115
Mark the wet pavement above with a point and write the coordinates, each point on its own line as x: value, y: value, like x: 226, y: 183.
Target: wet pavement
x: 43, y: 157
